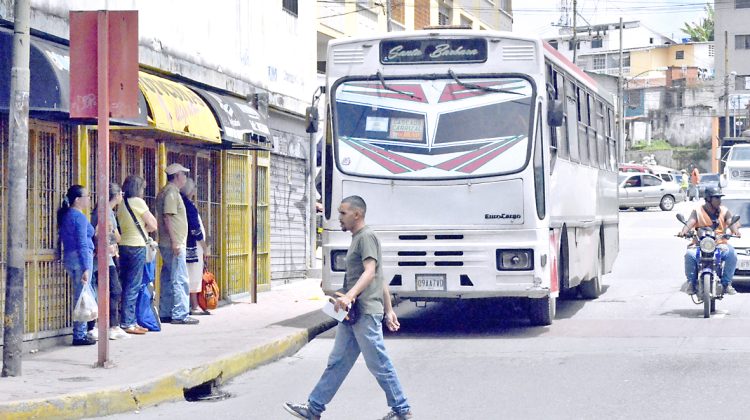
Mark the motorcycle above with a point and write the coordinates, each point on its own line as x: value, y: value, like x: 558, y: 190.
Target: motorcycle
x: 708, y: 287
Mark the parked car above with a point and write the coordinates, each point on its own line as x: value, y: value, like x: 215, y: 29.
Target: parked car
x: 737, y: 165
x: 739, y: 204
x: 707, y: 180
x: 639, y: 191
x: 632, y: 167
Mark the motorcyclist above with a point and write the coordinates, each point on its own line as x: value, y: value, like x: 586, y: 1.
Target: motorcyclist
x: 711, y: 214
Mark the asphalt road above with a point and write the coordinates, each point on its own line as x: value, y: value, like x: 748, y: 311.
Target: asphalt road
x: 642, y: 350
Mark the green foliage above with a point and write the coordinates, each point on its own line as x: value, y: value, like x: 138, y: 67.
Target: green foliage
x: 654, y: 146
x: 703, y: 31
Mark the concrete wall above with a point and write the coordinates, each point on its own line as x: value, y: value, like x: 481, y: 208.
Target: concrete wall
x: 675, y: 159
x: 734, y: 21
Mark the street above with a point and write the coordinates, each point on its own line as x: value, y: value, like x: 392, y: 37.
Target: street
x: 642, y: 350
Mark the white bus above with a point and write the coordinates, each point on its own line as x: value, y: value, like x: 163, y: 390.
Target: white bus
x: 487, y: 161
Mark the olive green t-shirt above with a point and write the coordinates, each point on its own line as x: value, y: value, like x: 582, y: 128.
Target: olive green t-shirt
x: 365, y: 245
x: 169, y: 201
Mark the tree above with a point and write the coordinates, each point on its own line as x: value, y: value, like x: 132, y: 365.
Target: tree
x: 703, y: 31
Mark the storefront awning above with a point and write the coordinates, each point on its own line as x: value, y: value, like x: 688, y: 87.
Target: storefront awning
x: 240, y: 122
x: 177, y: 110
x: 50, y: 74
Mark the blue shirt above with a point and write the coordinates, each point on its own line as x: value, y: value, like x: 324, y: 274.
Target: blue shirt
x: 76, y: 233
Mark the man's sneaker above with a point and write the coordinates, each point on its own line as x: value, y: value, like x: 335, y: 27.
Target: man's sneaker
x: 185, y: 321
x: 688, y: 288
x: 301, y: 411
x: 729, y: 290
x: 117, y: 333
x: 392, y: 415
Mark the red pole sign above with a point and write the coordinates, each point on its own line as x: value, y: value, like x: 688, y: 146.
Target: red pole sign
x: 108, y: 43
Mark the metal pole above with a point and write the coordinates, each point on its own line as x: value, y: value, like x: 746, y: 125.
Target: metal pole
x: 726, y: 84
x: 575, y: 39
x: 621, y: 104
x: 254, y: 230
x: 18, y: 156
x: 388, y: 14
x: 102, y: 182
x: 311, y: 202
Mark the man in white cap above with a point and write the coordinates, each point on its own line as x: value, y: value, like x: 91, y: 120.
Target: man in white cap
x: 174, y: 296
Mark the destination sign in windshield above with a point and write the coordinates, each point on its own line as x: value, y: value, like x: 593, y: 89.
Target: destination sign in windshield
x: 428, y: 51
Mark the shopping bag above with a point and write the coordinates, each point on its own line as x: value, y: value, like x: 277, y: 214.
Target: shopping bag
x: 208, y: 298
x: 86, y: 308
x: 146, y: 313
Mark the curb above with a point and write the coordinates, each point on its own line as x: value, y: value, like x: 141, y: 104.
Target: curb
x: 167, y: 388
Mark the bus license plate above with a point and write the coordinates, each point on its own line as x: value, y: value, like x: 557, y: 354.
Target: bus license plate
x: 744, y: 264
x: 431, y: 281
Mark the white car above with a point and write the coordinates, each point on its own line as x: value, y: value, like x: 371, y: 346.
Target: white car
x: 737, y: 166
x: 740, y: 205
x: 639, y: 191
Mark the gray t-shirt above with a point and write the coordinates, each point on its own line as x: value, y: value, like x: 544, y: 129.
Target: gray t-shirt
x: 365, y: 245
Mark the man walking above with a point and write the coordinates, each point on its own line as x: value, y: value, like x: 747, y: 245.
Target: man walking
x: 366, y: 291
x: 174, y: 294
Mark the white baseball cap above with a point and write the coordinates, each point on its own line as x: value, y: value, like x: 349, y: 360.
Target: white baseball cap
x: 174, y: 168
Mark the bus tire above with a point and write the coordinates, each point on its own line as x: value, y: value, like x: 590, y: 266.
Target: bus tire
x: 563, y: 277
x: 667, y: 203
x: 542, y: 310
x: 592, y: 288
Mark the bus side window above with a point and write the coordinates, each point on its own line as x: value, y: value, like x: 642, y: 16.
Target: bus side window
x: 601, y: 136
x: 593, y: 157
x: 571, y: 120
x: 583, y: 118
x: 562, y: 131
x: 328, y: 167
x: 541, y: 210
x: 611, y: 141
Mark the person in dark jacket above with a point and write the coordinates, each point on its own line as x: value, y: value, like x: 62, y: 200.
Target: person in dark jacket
x: 78, y: 249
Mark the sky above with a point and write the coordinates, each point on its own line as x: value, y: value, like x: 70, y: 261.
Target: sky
x: 663, y: 16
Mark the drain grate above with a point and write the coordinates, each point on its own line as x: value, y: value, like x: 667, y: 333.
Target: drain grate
x: 207, y: 391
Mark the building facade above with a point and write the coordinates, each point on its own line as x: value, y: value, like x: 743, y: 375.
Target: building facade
x: 733, y: 81
x: 214, y: 88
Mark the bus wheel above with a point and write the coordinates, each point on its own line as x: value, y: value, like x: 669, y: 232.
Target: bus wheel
x: 542, y: 310
x: 591, y: 289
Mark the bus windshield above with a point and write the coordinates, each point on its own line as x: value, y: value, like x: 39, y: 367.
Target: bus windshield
x: 425, y: 128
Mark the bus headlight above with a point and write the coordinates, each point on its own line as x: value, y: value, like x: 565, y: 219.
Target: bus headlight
x: 338, y: 260
x: 514, y: 259
x: 708, y: 245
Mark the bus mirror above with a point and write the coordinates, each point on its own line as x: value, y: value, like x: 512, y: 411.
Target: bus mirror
x: 555, y: 114
x: 311, y: 119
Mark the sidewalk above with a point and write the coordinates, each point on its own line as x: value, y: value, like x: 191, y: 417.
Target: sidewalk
x: 158, y: 367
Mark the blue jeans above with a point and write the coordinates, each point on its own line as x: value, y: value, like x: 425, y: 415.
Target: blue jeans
x: 75, y: 270
x: 728, y: 255
x: 132, y: 260
x: 365, y: 336
x: 174, y: 291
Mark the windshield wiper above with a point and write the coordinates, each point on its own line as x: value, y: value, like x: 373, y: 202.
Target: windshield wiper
x: 478, y: 87
x: 386, y: 87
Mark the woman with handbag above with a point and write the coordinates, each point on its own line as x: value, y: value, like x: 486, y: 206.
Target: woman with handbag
x: 196, y: 246
x: 78, y: 249
x: 135, y: 220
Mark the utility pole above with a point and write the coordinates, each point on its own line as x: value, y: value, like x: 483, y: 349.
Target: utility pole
x: 621, y: 104
x: 726, y: 84
x: 388, y: 6
x: 18, y: 156
x: 575, y: 30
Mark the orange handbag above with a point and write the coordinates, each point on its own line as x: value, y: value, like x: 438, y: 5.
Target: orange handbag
x: 208, y: 298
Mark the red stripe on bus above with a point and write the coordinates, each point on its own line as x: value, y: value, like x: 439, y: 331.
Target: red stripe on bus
x: 473, y: 166
x: 458, y: 161
x: 409, y: 163
x: 380, y: 160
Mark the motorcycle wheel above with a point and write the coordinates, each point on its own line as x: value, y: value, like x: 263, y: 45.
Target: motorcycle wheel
x: 706, y: 296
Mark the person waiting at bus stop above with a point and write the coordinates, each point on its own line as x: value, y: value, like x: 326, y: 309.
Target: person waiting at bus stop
x: 364, y: 283
x: 711, y: 214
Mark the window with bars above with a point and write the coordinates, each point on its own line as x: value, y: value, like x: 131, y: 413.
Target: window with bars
x: 679, y: 55
x: 742, y: 42
x: 290, y: 6
x: 598, y: 62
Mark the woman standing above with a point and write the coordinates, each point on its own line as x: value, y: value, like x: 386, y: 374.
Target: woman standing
x: 133, y: 216
x: 196, y: 245
x: 113, y: 238
x: 78, y: 249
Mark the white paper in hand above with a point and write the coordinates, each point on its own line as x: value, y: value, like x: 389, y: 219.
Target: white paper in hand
x: 329, y: 310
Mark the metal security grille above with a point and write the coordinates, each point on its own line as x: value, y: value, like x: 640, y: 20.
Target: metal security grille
x: 289, y: 218
x: 48, y: 291
x: 263, y: 222
x: 236, y: 200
